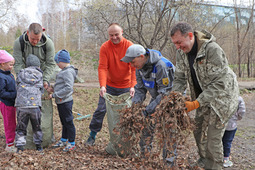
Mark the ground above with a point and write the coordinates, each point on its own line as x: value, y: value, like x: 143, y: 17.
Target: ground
x: 85, y: 102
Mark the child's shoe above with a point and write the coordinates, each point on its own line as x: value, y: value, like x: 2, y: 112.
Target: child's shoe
x: 59, y: 144
x: 227, y: 163
x: 11, y: 149
x: 39, y: 149
x: 69, y: 147
x: 20, y: 149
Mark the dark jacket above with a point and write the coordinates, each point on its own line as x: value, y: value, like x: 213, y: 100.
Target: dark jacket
x: 7, y: 88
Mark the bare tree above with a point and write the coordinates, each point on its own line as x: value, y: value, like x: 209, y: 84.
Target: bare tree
x: 241, y: 35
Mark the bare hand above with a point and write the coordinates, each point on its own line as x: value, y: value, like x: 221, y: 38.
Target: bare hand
x: 102, y: 91
x: 132, y: 91
x: 50, y: 89
x: 45, y: 85
x: 50, y: 96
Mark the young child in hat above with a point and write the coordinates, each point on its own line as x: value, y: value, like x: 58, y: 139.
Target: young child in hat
x: 7, y: 98
x: 28, y: 102
x: 62, y: 92
x: 230, y: 132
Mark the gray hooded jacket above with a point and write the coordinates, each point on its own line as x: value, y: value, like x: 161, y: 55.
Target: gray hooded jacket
x: 156, y: 76
x: 63, y: 88
x: 29, y: 88
x: 232, y: 123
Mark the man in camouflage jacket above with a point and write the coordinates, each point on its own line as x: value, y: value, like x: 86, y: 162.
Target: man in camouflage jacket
x: 213, y: 85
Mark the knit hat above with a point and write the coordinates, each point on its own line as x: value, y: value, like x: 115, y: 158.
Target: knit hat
x: 132, y: 52
x: 62, y: 56
x: 32, y: 60
x: 5, y: 56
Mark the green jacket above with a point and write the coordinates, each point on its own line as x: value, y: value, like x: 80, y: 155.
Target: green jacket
x: 218, y: 82
x: 47, y: 60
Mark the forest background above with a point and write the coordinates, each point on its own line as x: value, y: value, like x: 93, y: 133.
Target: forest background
x: 80, y: 26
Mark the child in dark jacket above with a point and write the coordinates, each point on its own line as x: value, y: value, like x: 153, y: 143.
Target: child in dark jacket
x: 7, y: 98
x: 62, y: 92
x: 28, y: 102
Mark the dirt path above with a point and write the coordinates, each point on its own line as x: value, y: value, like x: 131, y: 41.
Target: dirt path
x: 93, y: 84
x: 243, y: 147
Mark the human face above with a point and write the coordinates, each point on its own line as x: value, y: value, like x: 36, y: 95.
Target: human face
x: 62, y: 65
x: 138, y: 62
x: 183, y: 42
x: 34, y: 38
x: 7, y: 66
x: 115, y: 34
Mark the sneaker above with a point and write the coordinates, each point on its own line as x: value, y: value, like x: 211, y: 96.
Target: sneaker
x: 227, y: 163
x: 11, y: 149
x: 59, y: 144
x: 90, y: 141
x: 20, y: 149
x: 39, y: 148
x: 69, y: 147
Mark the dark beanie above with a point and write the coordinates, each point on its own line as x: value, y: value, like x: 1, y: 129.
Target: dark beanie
x: 32, y: 60
x: 62, y: 56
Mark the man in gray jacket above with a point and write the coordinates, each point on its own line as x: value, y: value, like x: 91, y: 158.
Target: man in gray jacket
x: 154, y: 74
x: 28, y: 102
x: 202, y: 63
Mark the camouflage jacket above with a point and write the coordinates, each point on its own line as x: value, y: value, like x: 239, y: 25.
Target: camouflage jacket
x: 29, y: 87
x: 219, y: 97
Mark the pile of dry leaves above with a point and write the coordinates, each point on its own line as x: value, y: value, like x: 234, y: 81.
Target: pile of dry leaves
x: 170, y: 126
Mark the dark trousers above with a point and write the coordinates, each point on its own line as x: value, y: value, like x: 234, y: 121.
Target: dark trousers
x: 23, y: 116
x: 66, y: 118
x: 98, y: 116
x: 169, y: 156
x: 227, y: 141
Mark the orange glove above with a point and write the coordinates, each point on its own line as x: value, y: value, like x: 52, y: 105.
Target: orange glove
x: 191, y: 105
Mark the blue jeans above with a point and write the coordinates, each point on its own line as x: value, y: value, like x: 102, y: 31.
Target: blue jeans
x: 98, y: 116
x: 227, y: 141
x: 66, y: 118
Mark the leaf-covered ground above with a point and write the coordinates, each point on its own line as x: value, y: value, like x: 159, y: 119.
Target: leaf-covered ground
x: 95, y: 157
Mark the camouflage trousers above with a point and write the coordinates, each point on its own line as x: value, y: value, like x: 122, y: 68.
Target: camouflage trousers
x: 23, y: 117
x: 208, y: 138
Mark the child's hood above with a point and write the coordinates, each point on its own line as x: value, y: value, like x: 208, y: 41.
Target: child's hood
x: 30, y: 75
x: 74, y: 72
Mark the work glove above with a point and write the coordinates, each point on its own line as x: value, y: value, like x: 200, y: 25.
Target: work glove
x: 191, y: 105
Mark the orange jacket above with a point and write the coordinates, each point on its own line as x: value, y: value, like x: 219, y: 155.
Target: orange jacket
x: 111, y: 70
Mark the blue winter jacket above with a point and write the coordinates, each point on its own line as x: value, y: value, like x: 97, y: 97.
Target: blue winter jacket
x: 7, y: 88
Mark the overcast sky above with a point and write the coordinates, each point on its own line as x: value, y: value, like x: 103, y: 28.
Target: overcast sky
x: 29, y: 8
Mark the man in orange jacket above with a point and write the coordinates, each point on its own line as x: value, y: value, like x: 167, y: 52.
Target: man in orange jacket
x: 115, y: 77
